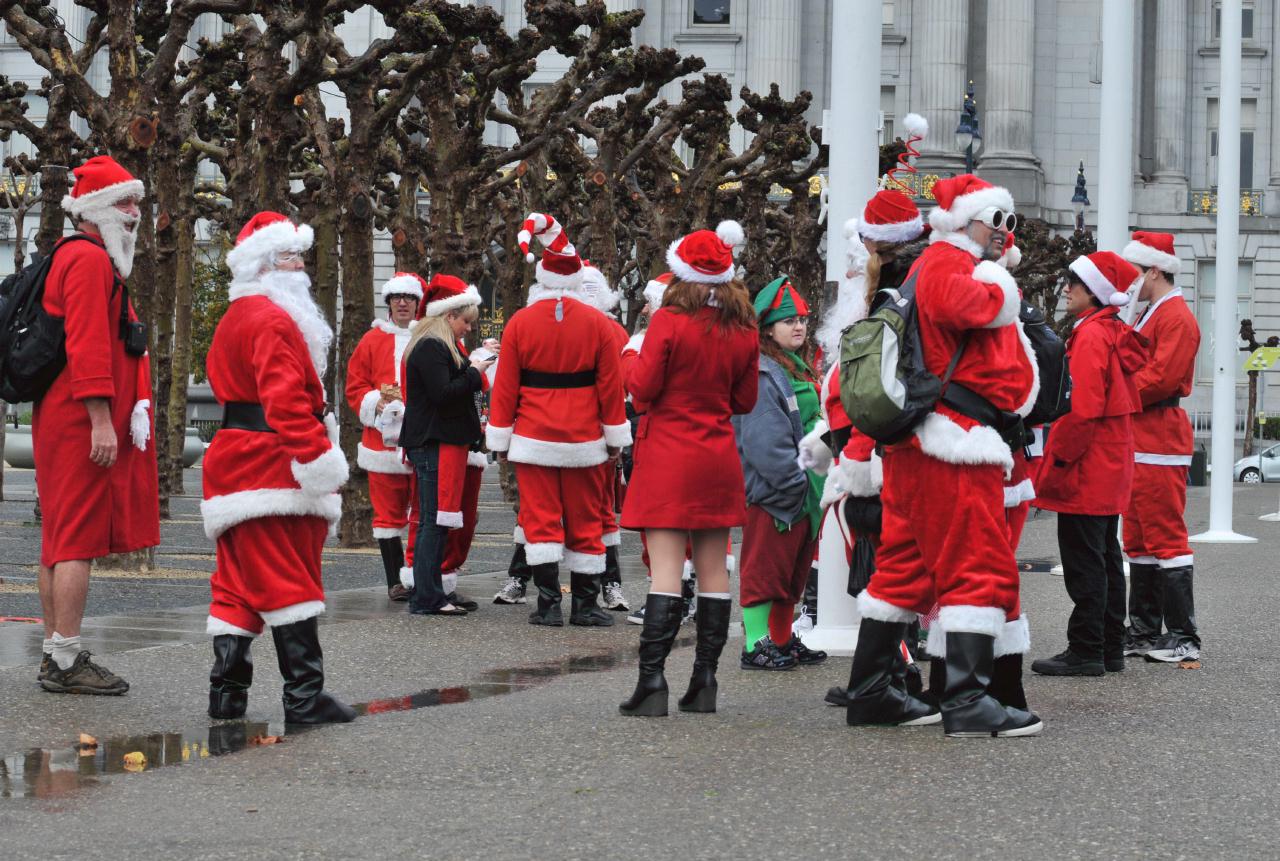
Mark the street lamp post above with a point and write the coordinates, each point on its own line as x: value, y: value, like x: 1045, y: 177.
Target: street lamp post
x: 969, y: 131
x: 1080, y: 199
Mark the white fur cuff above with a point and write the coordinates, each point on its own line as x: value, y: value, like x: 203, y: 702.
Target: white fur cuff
x: 292, y: 613
x: 990, y: 272
x: 1014, y: 638
x: 870, y: 607
x: 612, y: 539
x: 323, y: 475
x: 216, y: 627
x: 965, y: 618
x: 635, y: 342
x: 369, y: 407
x: 584, y: 563
x: 517, y: 535
x: 617, y: 436
x: 477, y: 459
x: 497, y: 439
x: 543, y: 553
x: 449, y: 519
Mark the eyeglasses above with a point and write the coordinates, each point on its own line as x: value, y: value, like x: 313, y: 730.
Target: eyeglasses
x: 997, y: 218
x: 401, y: 297
x: 794, y: 321
x: 288, y: 256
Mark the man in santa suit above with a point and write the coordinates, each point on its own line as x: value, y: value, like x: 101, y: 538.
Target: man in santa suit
x: 944, y: 537
x: 95, y: 472
x: 556, y: 411
x: 271, y: 475
x: 1155, y: 534
x: 374, y: 385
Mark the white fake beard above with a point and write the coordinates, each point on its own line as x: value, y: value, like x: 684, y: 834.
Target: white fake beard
x: 292, y: 292
x: 119, y: 232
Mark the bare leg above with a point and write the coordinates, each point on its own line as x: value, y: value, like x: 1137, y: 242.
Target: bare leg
x: 666, y: 558
x: 44, y: 581
x: 70, y: 589
x: 709, y: 561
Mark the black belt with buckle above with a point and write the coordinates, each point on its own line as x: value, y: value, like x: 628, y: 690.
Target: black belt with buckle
x: 550, y: 380
x: 1172, y: 401
x: 241, y: 415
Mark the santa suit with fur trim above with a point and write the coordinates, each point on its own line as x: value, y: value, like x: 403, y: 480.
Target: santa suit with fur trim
x: 269, y: 497
x: 558, y: 436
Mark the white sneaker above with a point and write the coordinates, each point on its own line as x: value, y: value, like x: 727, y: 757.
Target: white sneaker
x: 512, y: 592
x: 612, y: 598
x: 1179, y: 653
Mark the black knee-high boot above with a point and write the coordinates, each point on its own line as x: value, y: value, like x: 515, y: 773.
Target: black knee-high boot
x: 713, y: 633
x: 1146, y: 608
x: 968, y: 709
x: 877, y: 680
x: 392, y: 550
x: 662, y: 615
x: 231, y: 676
x: 585, y: 609
x: 302, y: 666
x: 547, y: 578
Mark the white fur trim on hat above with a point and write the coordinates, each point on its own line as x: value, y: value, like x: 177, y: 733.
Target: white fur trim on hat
x: 1144, y: 256
x: 402, y: 285
x: 915, y: 125
x: 1097, y: 283
x: 584, y: 563
x: 968, y: 619
x: 470, y: 296
x: 249, y: 257
x: 293, y: 613
x: 990, y: 272
x: 324, y: 475
x: 731, y: 233
x: 556, y: 281
x: 107, y: 196
x: 966, y: 206
x: 902, y: 231
x: 685, y: 272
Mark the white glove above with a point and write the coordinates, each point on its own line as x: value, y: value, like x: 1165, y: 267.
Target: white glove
x: 140, y: 424
x: 814, y: 453
x: 389, y: 423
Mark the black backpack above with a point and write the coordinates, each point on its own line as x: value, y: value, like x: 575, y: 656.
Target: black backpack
x: 1054, y: 398
x: 33, y: 344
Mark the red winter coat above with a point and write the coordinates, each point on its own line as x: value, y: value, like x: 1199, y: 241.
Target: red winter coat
x: 376, y: 362
x: 1162, y: 435
x: 1088, y: 458
x: 90, y: 512
x: 694, y: 377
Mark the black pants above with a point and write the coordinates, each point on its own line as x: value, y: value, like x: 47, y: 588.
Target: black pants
x: 1094, y: 573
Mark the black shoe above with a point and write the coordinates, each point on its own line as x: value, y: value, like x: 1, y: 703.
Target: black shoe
x: 713, y: 632
x: 392, y: 552
x: 968, y: 711
x: 547, y: 578
x: 302, y: 666
x: 837, y: 695
x: 1068, y: 663
x: 661, y: 624
x: 1006, y: 682
x: 877, y: 691
x: 585, y: 611
x: 1114, y: 664
x: 767, y: 656
x: 231, y: 676
x: 804, y: 656
x: 46, y: 661
x: 462, y: 601
x: 84, y: 676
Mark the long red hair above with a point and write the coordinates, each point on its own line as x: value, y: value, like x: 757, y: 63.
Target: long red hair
x: 733, y: 305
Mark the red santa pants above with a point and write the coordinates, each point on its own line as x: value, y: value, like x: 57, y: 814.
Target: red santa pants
x: 452, y: 482
x: 775, y: 565
x: 392, y: 495
x: 609, y: 476
x: 269, y: 569
x: 1154, y: 529
x: 560, y: 515
x: 457, y: 546
x: 944, y: 536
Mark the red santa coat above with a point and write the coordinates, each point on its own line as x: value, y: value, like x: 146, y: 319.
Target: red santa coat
x: 376, y: 362
x: 88, y: 511
x: 694, y: 376
x: 1088, y: 458
x: 562, y: 425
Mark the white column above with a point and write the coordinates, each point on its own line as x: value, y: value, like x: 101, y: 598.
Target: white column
x: 773, y: 46
x: 1271, y: 203
x: 1115, y: 152
x: 855, y: 66
x: 1006, y: 116
x: 939, y: 64
x: 1171, y: 92
x: 1226, y: 359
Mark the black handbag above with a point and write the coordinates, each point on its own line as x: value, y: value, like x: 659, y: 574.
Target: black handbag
x: 861, y: 566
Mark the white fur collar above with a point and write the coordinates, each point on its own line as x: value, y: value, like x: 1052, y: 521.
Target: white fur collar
x: 391, y: 328
x: 538, y: 292
x: 959, y: 240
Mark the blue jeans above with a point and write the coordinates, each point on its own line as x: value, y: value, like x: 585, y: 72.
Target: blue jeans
x: 428, y: 552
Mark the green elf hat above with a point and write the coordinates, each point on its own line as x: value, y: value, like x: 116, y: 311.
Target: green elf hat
x: 778, y: 301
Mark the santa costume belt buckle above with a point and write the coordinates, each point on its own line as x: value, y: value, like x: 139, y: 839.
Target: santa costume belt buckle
x: 240, y: 415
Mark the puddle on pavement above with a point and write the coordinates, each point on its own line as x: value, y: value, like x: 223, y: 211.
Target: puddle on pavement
x: 55, y: 772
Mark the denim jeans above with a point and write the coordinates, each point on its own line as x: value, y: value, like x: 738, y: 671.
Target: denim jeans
x: 428, y: 552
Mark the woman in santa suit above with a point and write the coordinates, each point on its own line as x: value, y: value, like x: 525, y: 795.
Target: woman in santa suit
x: 696, y: 368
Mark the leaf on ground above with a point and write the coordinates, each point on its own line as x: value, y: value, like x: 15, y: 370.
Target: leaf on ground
x: 1188, y: 665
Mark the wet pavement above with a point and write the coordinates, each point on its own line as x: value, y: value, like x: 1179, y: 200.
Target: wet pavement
x: 483, y: 737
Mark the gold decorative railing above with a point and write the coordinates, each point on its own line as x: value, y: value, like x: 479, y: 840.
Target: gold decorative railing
x: 919, y: 185
x: 1204, y: 201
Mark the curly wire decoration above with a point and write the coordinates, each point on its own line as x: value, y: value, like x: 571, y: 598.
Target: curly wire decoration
x: 917, y: 129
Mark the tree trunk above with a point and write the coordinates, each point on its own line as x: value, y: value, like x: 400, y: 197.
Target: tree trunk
x: 181, y: 368
x: 356, y: 526
x: 1250, y: 414
x: 167, y: 270
x: 140, y: 561
x: 324, y: 224
x: 2, y: 430
x: 53, y: 187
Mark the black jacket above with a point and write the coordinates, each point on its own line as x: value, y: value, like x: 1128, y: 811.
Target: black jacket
x: 440, y: 403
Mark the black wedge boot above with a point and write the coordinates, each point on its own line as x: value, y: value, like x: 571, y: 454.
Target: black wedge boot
x: 547, y: 578
x: 877, y: 681
x: 968, y: 710
x: 302, y: 666
x: 662, y: 615
x: 231, y: 676
x: 713, y: 633
x: 586, y: 611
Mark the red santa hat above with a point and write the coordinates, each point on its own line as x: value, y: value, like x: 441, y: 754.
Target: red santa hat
x: 706, y: 257
x: 656, y: 289
x: 596, y: 289
x: 447, y: 293
x: 404, y: 284
x: 961, y: 198
x: 261, y: 239
x: 1012, y: 256
x: 101, y: 182
x: 1107, y: 275
x: 1148, y: 249
x: 560, y: 267
x: 890, y: 216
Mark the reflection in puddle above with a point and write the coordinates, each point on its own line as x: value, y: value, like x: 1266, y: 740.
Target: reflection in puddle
x: 50, y: 773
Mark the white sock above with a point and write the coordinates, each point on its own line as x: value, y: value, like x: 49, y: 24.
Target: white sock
x: 47, y: 647
x: 719, y: 596
x: 64, y: 650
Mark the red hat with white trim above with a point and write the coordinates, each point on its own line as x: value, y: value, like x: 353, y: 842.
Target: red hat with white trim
x: 962, y: 198
x: 447, y: 293
x: 1108, y: 276
x: 101, y: 182
x: 1148, y: 249
x: 704, y: 256
x: 890, y: 216
x: 656, y: 289
x: 404, y: 284
x: 560, y: 267
x: 264, y: 236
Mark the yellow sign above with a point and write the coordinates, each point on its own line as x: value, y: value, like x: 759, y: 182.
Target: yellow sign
x: 1262, y: 359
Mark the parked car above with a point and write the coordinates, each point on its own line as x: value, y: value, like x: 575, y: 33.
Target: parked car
x: 1257, y: 468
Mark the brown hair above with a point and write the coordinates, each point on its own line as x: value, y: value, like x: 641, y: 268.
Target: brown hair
x: 885, y: 255
x: 733, y: 305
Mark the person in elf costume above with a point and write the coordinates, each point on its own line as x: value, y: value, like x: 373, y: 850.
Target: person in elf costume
x: 784, y: 508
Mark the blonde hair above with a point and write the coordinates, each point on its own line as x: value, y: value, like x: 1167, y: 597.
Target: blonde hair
x: 437, y: 326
